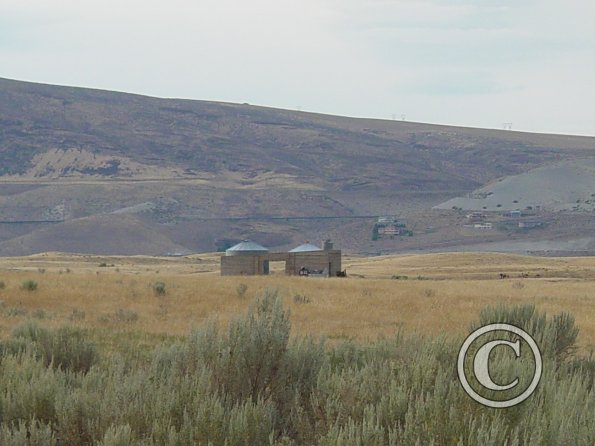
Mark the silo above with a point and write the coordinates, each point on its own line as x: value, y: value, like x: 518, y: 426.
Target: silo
x: 246, y: 258
x: 306, y: 259
x: 309, y: 259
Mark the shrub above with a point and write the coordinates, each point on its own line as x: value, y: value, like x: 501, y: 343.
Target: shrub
x: 15, y: 346
x: 65, y: 348
x: 29, y: 285
x: 250, y: 384
x: 39, y: 313
x: 301, y: 299
x: 76, y: 315
x: 2, y: 285
x: 241, y: 290
x: 30, y: 331
x: 27, y: 433
x: 68, y: 348
x: 159, y: 288
x: 119, y: 316
x: 126, y: 315
x: 556, y: 336
x: 117, y: 436
x: 16, y: 311
x: 264, y: 329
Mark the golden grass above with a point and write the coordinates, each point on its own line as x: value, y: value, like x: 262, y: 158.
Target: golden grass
x: 451, y: 291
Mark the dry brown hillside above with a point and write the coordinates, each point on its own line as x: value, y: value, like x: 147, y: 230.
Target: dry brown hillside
x: 195, y: 175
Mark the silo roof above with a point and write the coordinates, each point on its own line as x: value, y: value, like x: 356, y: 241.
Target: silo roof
x: 306, y: 247
x: 247, y: 245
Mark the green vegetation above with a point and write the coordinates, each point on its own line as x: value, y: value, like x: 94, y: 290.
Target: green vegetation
x: 65, y: 349
x: 76, y: 315
x: 17, y: 161
x: 301, y: 299
x: 119, y: 316
x: 40, y: 313
x: 159, y: 288
x: 14, y: 311
x: 29, y: 285
x: 241, y: 290
x: 252, y: 385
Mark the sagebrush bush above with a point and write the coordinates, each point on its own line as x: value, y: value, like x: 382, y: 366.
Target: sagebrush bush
x: 556, y: 336
x: 2, y: 285
x: 119, y: 316
x: 241, y: 290
x: 76, y: 315
x: 252, y: 384
x: 15, y: 311
x: 125, y: 315
x: 301, y: 299
x: 159, y: 288
x: 31, y: 433
x: 29, y: 285
x: 66, y: 347
x: 39, y: 313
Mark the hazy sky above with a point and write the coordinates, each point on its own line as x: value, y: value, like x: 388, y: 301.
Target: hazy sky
x: 472, y: 63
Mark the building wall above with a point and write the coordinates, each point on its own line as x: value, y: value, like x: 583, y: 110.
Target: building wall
x: 316, y: 260
x: 246, y: 265
x: 250, y: 265
x: 335, y: 260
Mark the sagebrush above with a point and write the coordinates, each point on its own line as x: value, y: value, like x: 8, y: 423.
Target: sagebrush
x: 253, y: 384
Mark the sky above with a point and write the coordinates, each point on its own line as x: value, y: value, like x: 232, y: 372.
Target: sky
x: 479, y: 63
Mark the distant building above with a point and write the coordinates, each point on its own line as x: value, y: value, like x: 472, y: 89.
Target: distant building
x: 250, y: 258
x: 476, y: 216
x: 513, y: 214
x: 308, y: 259
x: 486, y: 225
x: 245, y: 259
x: 530, y: 224
x: 388, y: 226
x: 389, y: 230
x: 387, y: 220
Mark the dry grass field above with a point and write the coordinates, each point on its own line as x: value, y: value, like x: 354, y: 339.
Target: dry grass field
x: 430, y: 294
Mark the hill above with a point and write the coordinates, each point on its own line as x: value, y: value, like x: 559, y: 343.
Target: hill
x: 563, y: 186
x: 198, y: 175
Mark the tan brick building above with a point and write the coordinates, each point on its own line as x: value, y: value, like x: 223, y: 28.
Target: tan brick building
x: 250, y: 258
